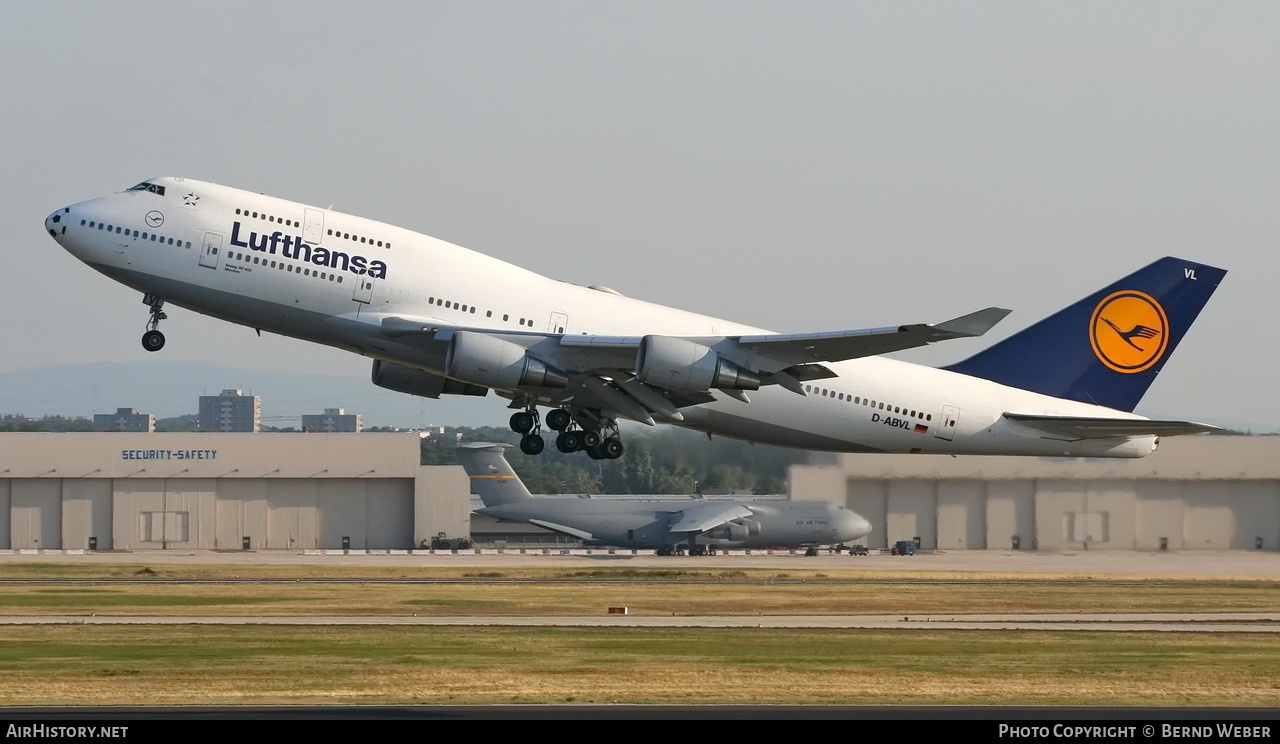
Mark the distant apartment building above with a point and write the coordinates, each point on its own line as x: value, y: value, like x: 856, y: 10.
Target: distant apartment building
x: 231, y: 410
x: 332, y: 420
x: 124, y: 419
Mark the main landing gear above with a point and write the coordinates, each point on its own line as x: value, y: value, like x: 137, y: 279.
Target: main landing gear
x: 577, y: 432
x: 691, y: 549
x: 153, y: 339
x: 528, y: 424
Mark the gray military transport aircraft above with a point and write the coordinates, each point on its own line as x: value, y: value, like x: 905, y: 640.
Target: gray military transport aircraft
x: 669, y: 527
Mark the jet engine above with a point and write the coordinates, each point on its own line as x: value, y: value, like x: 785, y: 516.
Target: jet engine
x: 487, y: 360
x: 737, y: 530
x: 680, y: 364
x: 416, y: 382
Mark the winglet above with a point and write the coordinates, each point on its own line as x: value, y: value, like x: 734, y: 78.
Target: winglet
x: 973, y: 324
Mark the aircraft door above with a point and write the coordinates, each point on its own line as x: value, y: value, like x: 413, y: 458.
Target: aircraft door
x: 210, y: 250
x: 559, y: 322
x: 313, y: 226
x: 363, y: 291
x: 947, y: 426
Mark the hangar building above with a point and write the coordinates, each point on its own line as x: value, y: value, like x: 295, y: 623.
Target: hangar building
x: 224, y: 491
x: 268, y: 491
x: 1194, y: 492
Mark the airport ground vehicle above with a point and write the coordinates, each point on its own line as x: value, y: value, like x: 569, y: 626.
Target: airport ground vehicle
x: 443, y: 542
x: 904, y: 547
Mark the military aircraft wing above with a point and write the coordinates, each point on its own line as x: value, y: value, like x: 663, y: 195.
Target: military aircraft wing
x: 705, y: 517
x: 562, y: 529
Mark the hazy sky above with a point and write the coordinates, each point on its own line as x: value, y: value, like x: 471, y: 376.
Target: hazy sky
x: 797, y: 166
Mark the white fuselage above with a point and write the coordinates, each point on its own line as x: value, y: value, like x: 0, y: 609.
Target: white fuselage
x: 234, y: 255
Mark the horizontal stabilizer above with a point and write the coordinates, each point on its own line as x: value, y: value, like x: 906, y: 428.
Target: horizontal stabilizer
x: 1093, y: 427
x: 571, y: 532
x: 708, y: 516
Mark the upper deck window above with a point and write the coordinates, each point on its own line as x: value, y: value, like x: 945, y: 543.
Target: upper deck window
x: 144, y: 186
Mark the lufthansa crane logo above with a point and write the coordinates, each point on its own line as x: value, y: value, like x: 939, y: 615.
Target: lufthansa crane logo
x: 1129, y: 331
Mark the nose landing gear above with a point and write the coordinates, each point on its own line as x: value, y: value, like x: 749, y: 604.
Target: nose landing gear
x: 153, y: 339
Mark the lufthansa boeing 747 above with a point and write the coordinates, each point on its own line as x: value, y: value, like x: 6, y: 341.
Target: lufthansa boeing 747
x: 438, y: 319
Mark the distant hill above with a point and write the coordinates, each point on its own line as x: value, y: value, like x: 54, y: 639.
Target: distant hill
x: 173, y: 388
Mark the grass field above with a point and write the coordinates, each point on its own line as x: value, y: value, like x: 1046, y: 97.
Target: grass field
x: 588, y: 592
x: 189, y: 664
x: 810, y: 598
x: 399, y: 665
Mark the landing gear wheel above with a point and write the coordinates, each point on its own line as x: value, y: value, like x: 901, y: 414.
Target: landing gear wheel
x: 559, y: 419
x: 594, y: 453
x: 532, y: 444
x: 811, y: 552
x: 153, y: 340
x: 590, y: 440
x: 611, y: 448
x: 522, y: 422
x: 569, y: 441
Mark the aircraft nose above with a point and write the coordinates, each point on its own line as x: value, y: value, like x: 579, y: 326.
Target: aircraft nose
x: 56, y: 223
x: 853, y: 526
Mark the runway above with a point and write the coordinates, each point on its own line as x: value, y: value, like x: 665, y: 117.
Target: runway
x: 1115, y: 564
x: 1217, y: 622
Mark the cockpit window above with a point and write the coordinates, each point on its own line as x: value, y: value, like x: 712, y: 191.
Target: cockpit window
x: 144, y: 186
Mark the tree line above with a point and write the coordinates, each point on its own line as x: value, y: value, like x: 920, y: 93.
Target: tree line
x: 667, y: 461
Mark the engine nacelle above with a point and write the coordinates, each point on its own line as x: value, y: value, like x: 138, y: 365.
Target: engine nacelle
x: 732, y: 532
x: 487, y: 360
x: 680, y: 364
x: 737, y: 531
x: 416, y: 382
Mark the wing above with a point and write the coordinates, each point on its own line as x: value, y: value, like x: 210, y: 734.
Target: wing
x: 1091, y: 427
x: 705, y: 517
x: 647, y: 377
x: 840, y: 345
x: 571, y: 532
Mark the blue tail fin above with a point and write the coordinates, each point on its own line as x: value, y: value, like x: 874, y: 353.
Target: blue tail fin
x: 1107, y: 348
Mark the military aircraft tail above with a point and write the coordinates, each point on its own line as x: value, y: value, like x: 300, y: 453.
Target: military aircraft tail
x: 491, y: 475
x: 1107, y: 348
